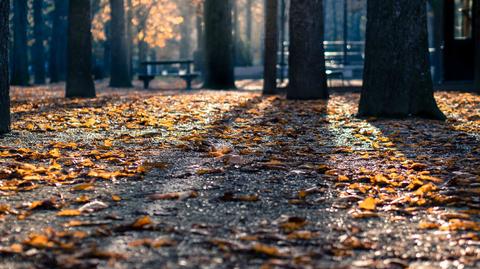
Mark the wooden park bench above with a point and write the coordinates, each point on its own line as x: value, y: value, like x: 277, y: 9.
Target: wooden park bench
x: 177, y: 68
x: 334, y: 74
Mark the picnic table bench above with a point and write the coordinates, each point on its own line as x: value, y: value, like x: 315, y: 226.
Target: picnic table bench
x: 178, y: 68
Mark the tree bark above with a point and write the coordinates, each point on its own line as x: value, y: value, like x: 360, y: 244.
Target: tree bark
x: 249, y: 18
x: 142, y: 56
x: 186, y: 32
x: 397, y: 80
x: 4, y: 83
x: 58, y: 42
x: 79, y: 73
x: 271, y: 48
x: 219, y: 71
x: 20, y: 75
x: 119, y: 76
x: 476, y: 21
x: 306, y: 65
x: 130, y: 37
x: 199, y: 56
x: 38, y: 47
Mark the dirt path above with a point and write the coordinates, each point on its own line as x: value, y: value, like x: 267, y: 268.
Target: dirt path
x: 233, y: 180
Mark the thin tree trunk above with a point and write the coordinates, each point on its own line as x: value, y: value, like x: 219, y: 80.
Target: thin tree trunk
x: 219, y: 71
x: 142, y: 56
x: 38, y: 47
x: 271, y: 48
x: 58, y: 42
x: 130, y: 37
x: 236, y: 36
x: 306, y: 72
x: 186, y: 32
x: 20, y: 75
x: 107, y: 52
x: 397, y: 79
x: 199, y: 53
x: 4, y: 83
x: 476, y: 21
x: 119, y: 76
x: 249, y: 18
x: 79, y: 74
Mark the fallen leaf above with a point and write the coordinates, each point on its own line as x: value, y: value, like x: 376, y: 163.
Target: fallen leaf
x: 368, y: 204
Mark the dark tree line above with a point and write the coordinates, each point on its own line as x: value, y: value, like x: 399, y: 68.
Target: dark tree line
x: 397, y: 79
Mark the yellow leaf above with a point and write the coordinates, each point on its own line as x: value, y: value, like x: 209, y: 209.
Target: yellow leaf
x: 428, y: 225
x: 69, y: 213
x: 267, y: 250
x: 83, y: 187
x: 368, y: 204
x: 39, y: 241
x: 142, y: 222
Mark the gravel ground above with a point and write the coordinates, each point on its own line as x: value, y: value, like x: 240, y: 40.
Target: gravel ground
x: 267, y: 184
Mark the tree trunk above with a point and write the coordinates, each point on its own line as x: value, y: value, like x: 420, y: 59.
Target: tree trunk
x: 58, y: 42
x: 130, y: 37
x: 107, y: 52
x: 119, y: 75
x: 142, y: 56
x: 38, y: 47
x: 186, y: 32
x: 20, y: 75
x: 397, y: 80
x: 219, y: 71
x: 306, y: 66
x: 79, y: 73
x: 199, y: 56
x: 271, y: 48
x: 4, y: 84
x: 476, y: 21
x: 249, y: 18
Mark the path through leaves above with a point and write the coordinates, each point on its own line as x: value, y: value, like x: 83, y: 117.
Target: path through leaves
x: 224, y: 179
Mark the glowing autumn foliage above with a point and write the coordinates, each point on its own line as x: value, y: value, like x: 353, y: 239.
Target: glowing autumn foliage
x: 153, y: 21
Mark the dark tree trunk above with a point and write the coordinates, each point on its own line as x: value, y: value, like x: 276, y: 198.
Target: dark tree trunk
x: 107, y: 52
x: 271, y: 48
x: 119, y: 75
x: 476, y: 20
x: 142, y: 56
x: 4, y: 84
x: 79, y: 74
x: 20, y: 75
x: 219, y: 72
x: 397, y: 80
x: 306, y: 66
x: 38, y: 47
x: 199, y: 53
x: 130, y: 37
x: 58, y: 42
x: 236, y: 36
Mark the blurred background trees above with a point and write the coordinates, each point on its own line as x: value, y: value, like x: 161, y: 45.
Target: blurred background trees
x: 4, y: 83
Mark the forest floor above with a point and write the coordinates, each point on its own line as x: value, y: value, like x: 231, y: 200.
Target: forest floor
x: 217, y: 179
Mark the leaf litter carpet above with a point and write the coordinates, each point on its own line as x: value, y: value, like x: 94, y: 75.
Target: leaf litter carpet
x: 215, y: 179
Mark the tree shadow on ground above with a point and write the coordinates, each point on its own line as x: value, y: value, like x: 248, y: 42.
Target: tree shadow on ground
x: 250, y: 168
